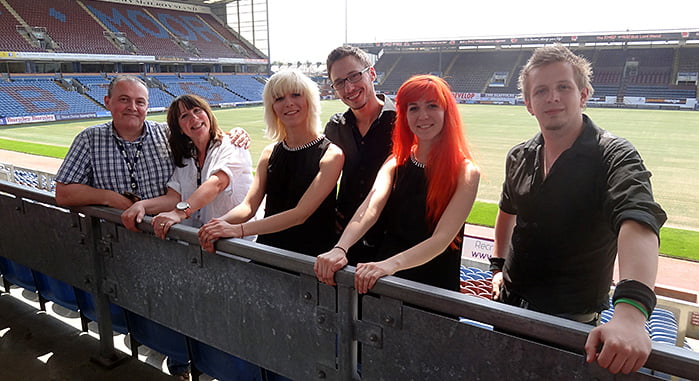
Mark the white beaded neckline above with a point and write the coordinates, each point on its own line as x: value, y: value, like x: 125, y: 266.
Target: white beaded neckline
x: 414, y: 160
x: 299, y: 148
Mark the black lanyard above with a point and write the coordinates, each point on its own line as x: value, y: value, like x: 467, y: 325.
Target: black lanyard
x: 195, y: 156
x: 130, y: 165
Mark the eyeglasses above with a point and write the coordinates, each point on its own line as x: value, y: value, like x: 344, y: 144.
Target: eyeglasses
x: 352, y: 78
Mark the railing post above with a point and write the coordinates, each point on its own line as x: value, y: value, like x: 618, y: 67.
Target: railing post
x: 107, y: 357
x: 347, y: 307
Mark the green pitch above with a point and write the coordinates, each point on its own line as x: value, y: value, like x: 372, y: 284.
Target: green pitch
x: 667, y: 140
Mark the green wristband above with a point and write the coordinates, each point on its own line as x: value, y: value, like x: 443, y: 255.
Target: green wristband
x: 633, y: 303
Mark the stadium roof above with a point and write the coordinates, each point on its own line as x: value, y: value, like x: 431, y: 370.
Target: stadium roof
x: 206, y: 3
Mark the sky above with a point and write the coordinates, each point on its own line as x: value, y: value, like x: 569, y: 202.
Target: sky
x: 307, y: 30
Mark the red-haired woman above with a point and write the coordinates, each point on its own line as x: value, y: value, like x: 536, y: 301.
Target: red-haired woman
x: 425, y: 191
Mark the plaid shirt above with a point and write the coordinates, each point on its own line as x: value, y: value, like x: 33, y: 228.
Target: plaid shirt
x: 95, y: 159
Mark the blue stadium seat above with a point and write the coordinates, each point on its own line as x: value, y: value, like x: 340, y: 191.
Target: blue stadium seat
x: 86, y: 304
x: 158, y: 337
x: 221, y: 365
x: 19, y: 275
x: 56, y: 291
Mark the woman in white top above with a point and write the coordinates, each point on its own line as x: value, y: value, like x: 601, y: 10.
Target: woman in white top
x: 211, y: 175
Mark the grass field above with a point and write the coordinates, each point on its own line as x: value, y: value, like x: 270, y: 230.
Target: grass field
x: 667, y: 140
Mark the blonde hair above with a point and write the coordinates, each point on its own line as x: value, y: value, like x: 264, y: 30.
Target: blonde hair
x: 582, y: 70
x: 289, y: 82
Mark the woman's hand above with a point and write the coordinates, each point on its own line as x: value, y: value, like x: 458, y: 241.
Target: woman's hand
x: 215, y: 229
x: 368, y: 273
x: 328, y: 264
x: 163, y: 221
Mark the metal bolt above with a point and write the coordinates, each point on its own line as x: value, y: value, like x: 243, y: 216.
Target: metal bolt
x: 373, y: 338
x: 321, y: 374
x: 307, y: 296
x: 388, y: 319
x: 320, y: 319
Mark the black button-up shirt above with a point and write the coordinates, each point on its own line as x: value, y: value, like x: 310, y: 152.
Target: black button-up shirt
x: 565, y: 240
x: 364, y: 155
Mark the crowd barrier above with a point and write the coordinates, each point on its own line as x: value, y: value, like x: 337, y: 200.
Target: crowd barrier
x: 265, y: 305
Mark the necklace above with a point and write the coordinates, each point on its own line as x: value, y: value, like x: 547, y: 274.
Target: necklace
x: 304, y: 146
x: 414, y: 160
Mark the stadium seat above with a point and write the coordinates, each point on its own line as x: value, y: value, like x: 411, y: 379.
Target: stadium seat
x: 19, y: 275
x: 158, y: 337
x: 221, y: 365
x: 86, y: 304
x: 60, y: 293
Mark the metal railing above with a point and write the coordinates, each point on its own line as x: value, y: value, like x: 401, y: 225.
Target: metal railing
x: 265, y: 305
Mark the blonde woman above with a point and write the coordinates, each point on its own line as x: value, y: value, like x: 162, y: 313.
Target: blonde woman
x: 298, y: 175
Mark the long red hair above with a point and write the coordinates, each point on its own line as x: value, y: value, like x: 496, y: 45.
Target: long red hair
x: 447, y: 158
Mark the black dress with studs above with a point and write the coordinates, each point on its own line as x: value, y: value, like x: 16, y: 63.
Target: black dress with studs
x: 406, y: 226
x: 290, y: 172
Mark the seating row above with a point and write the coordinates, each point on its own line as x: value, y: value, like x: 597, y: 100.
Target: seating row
x: 471, y: 71
x: 26, y: 96
x: 151, y: 31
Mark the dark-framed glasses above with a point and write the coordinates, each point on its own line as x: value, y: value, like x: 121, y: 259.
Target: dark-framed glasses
x: 352, y: 78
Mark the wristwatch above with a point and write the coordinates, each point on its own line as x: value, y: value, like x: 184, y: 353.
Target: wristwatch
x: 183, y: 206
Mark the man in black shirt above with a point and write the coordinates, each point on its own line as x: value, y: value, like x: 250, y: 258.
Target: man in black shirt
x: 574, y: 196
x: 364, y: 133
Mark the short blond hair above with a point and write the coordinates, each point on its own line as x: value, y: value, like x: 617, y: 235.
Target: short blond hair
x: 286, y: 82
x: 582, y: 69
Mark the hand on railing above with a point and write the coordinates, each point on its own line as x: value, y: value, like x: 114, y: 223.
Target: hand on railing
x: 625, y: 344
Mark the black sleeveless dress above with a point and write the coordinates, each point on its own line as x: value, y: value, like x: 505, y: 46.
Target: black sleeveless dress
x: 406, y: 226
x: 289, y: 174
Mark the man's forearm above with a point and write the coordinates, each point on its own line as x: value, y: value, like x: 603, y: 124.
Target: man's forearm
x: 81, y: 194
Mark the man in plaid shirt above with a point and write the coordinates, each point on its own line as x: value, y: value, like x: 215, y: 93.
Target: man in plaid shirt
x: 121, y: 161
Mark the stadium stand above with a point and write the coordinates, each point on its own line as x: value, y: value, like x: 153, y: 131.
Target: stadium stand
x: 27, y: 95
x: 476, y: 282
x: 73, y: 29
x: 12, y: 40
x: 140, y: 28
x: 190, y: 29
x: 246, y: 86
x: 231, y: 39
x: 688, y: 60
x: 95, y: 86
x: 407, y: 65
x: 196, y: 84
x: 647, y: 76
x: 486, y: 65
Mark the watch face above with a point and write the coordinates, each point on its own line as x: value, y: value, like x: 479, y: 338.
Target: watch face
x: 182, y: 205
